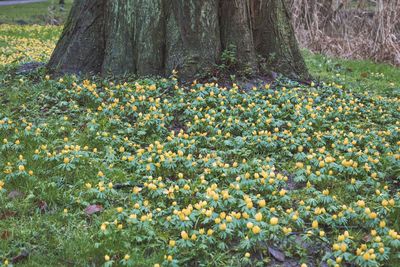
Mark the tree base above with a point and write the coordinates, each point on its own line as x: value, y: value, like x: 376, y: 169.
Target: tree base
x: 155, y: 37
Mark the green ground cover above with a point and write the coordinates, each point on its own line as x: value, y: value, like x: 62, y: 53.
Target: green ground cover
x: 145, y: 172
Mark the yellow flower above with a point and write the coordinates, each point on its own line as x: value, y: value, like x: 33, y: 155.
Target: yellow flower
x: 373, y: 215
x: 262, y: 203
x: 299, y: 165
x: 184, y: 235
x: 256, y: 229
x: 258, y: 217
x: 21, y: 168
x: 274, y: 221
x: 107, y: 258
x: 315, y: 224
x: 120, y: 209
x: 366, y: 256
x: 341, y: 238
x: 172, y: 243
x: 222, y: 227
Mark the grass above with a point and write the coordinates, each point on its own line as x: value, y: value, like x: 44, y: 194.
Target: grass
x: 91, y: 135
x: 360, y: 75
x: 35, y: 13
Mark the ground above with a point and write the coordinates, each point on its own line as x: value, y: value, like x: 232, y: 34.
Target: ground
x: 142, y: 172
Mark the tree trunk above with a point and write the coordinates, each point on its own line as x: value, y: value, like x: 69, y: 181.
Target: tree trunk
x: 154, y: 37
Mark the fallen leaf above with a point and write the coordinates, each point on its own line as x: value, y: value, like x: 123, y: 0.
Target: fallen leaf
x: 42, y: 205
x: 6, y: 214
x: 367, y: 238
x: 93, y: 209
x: 15, y: 194
x: 277, y: 254
x: 24, y: 254
x: 5, y: 235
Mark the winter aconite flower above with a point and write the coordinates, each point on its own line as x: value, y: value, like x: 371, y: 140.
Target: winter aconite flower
x: 274, y: 221
x: 208, y: 169
x: 256, y: 229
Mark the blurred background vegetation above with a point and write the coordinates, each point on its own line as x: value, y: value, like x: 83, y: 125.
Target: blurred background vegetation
x: 351, y: 29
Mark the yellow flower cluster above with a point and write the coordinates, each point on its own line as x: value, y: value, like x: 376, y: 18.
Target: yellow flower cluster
x: 28, y: 44
x: 207, y: 170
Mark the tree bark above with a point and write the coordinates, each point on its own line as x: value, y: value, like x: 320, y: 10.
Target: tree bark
x: 154, y: 37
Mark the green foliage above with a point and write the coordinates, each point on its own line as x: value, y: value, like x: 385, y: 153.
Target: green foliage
x: 229, y: 58
x: 220, y: 172
x: 196, y: 175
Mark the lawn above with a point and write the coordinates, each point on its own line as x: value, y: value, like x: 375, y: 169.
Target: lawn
x: 150, y: 172
x: 35, y: 13
x: 360, y: 75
